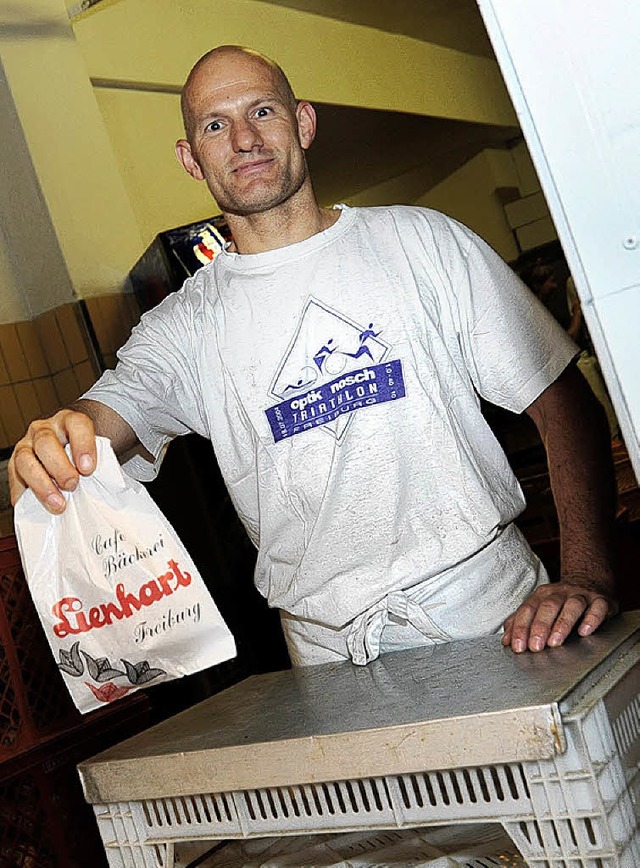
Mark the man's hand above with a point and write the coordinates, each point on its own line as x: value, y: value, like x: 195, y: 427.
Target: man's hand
x: 546, y: 618
x: 39, y: 461
x: 573, y: 428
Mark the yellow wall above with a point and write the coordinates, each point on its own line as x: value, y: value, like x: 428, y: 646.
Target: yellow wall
x: 157, y: 41
x: 33, y: 274
x: 13, y: 305
x: 67, y: 228
x: 153, y: 43
x: 527, y: 177
x: 469, y: 195
x: 102, y: 155
x: 143, y: 128
x: 71, y: 154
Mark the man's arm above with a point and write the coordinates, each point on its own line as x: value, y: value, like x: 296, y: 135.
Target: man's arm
x: 39, y: 461
x: 575, y: 434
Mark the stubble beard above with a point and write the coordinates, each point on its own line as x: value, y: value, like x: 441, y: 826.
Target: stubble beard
x: 265, y: 199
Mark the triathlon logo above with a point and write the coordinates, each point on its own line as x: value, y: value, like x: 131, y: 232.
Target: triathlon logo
x: 321, y: 379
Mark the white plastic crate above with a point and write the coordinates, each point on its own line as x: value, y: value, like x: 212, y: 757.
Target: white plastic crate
x: 585, y: 801
x: 575, y: 809
x: 469, y: 846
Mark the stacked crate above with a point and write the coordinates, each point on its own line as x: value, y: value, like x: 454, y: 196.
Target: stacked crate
x: 44, y: 820
x: 461, y: 733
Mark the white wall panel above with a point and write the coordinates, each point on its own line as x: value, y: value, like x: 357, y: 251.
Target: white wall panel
x: 571, y: 69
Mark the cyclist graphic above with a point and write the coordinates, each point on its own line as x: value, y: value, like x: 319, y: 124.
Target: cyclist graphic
x: 322, y: 353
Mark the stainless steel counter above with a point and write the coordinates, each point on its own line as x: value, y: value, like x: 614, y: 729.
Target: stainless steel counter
x: 461, y: 704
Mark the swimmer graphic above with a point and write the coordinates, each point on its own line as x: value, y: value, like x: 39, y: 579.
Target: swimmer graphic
x: 301, y: 383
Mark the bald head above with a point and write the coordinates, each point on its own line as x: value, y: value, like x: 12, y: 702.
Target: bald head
x: 212, y: 64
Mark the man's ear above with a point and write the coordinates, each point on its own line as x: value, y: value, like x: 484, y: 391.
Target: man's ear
x: 307, y: 122
x: 189, y: 162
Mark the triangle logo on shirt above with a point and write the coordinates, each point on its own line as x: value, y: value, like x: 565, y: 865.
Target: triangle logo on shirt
x: 331, y: 367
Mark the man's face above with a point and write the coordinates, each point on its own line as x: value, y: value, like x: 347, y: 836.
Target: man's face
x: 245, y: 139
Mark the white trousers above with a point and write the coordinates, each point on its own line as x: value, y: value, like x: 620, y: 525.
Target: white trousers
x: 466, y: 601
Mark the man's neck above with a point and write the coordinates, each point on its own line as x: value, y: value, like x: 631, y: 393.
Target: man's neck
x: 290, y: 222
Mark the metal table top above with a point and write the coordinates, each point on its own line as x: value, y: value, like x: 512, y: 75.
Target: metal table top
x: 449, y: 706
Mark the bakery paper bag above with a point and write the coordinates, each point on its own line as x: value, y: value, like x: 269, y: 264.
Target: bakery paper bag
x: 121, y: 602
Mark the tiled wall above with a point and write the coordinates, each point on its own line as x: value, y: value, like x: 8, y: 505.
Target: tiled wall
x: 112, y: 318
x: 44, y: 364
x: 48, y: 362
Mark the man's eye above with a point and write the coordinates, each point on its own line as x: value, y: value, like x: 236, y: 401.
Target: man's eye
x: 213, y: 127
x: 263, y: 112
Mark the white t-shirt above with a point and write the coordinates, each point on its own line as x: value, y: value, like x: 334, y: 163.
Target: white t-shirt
x: 338, y: 379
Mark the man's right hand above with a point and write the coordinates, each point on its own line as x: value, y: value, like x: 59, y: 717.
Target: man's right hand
x: 39, y: 461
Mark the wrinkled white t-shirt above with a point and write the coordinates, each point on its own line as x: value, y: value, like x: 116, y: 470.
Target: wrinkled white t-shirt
x: 338, y: 379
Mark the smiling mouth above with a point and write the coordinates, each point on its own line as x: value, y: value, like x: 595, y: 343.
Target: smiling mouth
x: 250, y: 168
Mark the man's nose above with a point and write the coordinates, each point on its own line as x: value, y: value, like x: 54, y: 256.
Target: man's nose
x: 245, y: 136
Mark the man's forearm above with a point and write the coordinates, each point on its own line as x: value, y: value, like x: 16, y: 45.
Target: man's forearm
x: 576, y: 438
x: 108, y: 423
x: 574, y: 430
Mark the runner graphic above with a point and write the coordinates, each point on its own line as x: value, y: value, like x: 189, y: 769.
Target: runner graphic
x: 363, y: 349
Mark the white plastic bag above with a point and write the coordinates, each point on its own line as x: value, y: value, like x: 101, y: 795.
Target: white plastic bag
x: 120, y: 600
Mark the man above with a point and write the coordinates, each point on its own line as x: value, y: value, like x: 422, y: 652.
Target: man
x: 335, y: 358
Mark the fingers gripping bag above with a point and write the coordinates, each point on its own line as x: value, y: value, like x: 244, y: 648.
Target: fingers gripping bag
x: 121, y: 602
